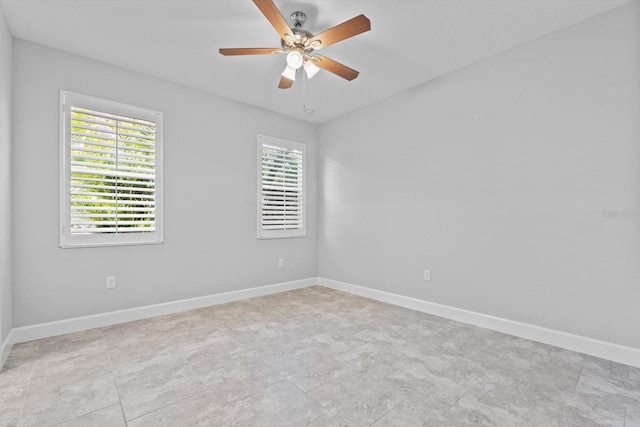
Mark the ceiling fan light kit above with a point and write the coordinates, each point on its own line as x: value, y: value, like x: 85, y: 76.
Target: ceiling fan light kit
x: 289, y: 72
x: 300, y: 45
x: 295, y: 58
x: 311, y: 69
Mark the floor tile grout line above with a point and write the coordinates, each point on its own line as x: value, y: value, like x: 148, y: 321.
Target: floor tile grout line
x: 394, y: 407
x: 115, y: 382
x: 351, y: 370
x: 522, y: 391
x: 88, y: 413
x: 26, y: 394
x: 400, y: 368
x: 504, y: 357
x: 126, y: 423
x: 284, y: 379
x: 157, y: 409
x: 326, y: 411
x: 625, y: 416
x: 579, y: 378
x: 117, y: 386
x: 459, y: 399
x: 311, y: 397
x: 251, y: 393
x: 107, y: 406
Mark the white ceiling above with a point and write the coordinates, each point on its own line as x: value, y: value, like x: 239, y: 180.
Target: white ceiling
x: 411, y: 42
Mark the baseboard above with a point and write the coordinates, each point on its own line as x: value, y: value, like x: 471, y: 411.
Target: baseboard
x: 621, y: 354
x: 605, y: 350
x: 5, y: 349
x: 43, y: 330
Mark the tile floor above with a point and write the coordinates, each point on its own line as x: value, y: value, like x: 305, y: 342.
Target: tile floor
x: 311, y: 357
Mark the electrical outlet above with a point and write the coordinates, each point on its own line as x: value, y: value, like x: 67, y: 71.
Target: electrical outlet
x: 281, y: 263
x: 111, y: 282
x: 427, y: 275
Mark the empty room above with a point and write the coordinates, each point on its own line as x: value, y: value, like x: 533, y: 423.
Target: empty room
x: 319, y: 213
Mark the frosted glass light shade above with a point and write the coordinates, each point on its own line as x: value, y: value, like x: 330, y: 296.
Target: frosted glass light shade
x: 311, y: 69
x: 294, y: 59
x: 289, y: 73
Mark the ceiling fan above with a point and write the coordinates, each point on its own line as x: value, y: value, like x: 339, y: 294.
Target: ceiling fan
x: 300, y: 45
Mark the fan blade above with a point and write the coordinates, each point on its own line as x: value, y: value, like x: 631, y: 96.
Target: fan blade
x: 250, y: 51
x: 285, y: 83
x: 350, y: 28
x: 335, y: 67
x: 273, y: 15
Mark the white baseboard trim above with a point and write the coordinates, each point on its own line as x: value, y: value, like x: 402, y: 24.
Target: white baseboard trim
x: 605, y: 350
x: 43, y: 330
x: 5, y: 349
x: 618, y: 353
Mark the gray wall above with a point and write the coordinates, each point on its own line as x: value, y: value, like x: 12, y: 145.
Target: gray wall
x: 209, y: 192
x: 496, y: 178
x: 5, y: 179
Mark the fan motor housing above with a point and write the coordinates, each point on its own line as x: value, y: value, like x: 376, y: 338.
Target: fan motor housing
x: 300, y: 39
x: 300, y: 36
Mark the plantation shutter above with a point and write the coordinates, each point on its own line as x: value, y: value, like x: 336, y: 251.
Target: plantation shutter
x: 112, y: 182
x: 281, y: 188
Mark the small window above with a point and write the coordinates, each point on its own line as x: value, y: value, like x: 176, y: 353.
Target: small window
x: 281, y: 188
x: 111, y: 181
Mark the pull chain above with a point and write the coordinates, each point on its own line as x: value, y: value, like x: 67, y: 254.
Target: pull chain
x: 304, y: 92
x: 306, y: 109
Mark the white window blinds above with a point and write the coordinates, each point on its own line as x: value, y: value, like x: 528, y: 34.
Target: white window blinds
x: 281, y: 188
x: 111, y: 183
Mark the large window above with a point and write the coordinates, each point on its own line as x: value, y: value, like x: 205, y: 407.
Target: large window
x: 281, y: 188
x: 111, y: 165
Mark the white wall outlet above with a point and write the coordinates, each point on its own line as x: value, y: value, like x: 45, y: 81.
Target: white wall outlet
x: 281, y: 263
x: 111, y: 282
x: 427, y: 275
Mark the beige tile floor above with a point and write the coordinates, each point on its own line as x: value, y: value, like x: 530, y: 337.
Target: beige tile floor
x: 315, y: 357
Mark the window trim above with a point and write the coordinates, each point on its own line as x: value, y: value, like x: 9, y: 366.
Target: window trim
x: 66, y: 239
x: 281, y: 234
